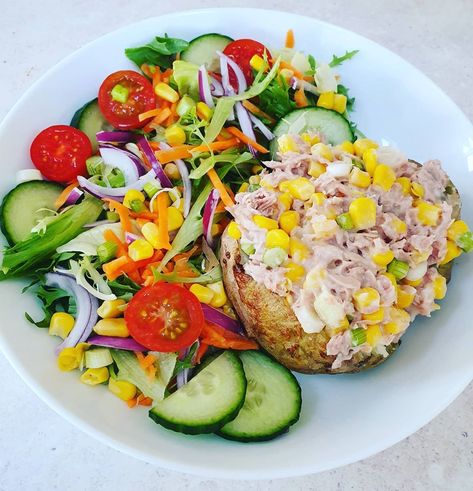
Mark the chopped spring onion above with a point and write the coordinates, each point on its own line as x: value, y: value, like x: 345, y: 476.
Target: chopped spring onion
x: 95, y: 165
x: 151, y: 188
x: 98, y: 358
x: 274, y: 257
x: 107, y: 251
x: 112, y: 216
x: 185, y: 105
x: 120, y: 93
x: 358, y: 336
x: 136, y: 205
x: 465, y: 241
x: 344, y: 221
x: 398, y: 268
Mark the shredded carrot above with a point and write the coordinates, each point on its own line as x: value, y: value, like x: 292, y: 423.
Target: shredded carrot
x: 257, y: 111
x: 147, y: 215
x: 125, y: 265
x: 154, y: 145
x: 61, y: 199
x: 186, y: 255
x: 158, y: 120
x: 163, y: 234
x: 290, y: 41
x: 300, y: 98
x: 173, y: 117
x: 245, y: 139
x: 131, y: 403
x: 149, y: 114
x: 148, y: 70
x: 110, y: 236
x: 144, y: 401
x: 201, y: 350
x: 122, y: 211
x: 288, y: 66
x: 134, y: 276
x: 218, y: 184
x: 156, y: 76
x: 113, y: 269
x: 219, y: 145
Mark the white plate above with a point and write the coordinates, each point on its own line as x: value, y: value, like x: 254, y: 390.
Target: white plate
x: 345, y: 417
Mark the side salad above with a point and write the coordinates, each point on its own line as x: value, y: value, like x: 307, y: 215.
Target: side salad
x: 119, y: 224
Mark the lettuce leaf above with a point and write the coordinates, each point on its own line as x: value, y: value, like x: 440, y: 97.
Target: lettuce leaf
x: 186, y: 77
x: 338, y: 60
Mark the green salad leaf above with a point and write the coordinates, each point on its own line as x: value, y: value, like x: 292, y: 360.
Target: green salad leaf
x: 341, y: 89
x: 276, y: 99
x: 123, y: 287
x: 209, y: 162
x: 185, y: 75
x: 215, y: 274
x: 338, y: 60
x: 160, y: 51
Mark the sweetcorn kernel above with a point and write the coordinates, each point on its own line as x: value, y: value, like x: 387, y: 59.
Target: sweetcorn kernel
x: 265, y: 222
x: 363, y: 144
x: 294, y: 271
x: 405, y: 184
x: 316, y: 169
x: 286, y: 200
x: 301, y: 188
x: 288, y: 220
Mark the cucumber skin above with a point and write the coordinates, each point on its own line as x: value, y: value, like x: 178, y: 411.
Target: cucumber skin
x: 198, y: 40
x: 76, y: 121
x: 5, y: 200
x: 210, y: 427
x: 283, y: 429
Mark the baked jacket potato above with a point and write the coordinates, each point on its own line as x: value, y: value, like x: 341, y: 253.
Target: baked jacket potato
x: 269, y: 319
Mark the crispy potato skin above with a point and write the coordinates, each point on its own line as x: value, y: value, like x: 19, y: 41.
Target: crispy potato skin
x: 269, y: 319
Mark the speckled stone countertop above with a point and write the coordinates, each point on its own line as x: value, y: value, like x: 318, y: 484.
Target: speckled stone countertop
x: 41, y: 451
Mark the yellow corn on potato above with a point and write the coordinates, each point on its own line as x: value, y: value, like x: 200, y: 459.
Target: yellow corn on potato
x: 347, y: 147
x: 150, y: 232
x: 140, y: 249
x: 204, y: 294
x: 398, y: 225
x: 359, y: 178
x: 111, y: 308
x: 417, y: 190
x: 61, y: 324
x: 203, y: 111
x: 301, y: 188
x: 295, y: 271
x: 310, y: 139
x: 175, y: 218
x: 384, y: 176
x: 112, y: 327
x: 297, y: 250
x: 440, y: 287
x: 286, y: 74
x: 326, y: 100
x: 323, y: 151
x: 405, y: 184
x: 340, y: 103
x: 287, y: 144
x: 133, y: 195
x: 370, y: 160
x: 453, y: 251
x: 243, y: 188
x: 383, y: 258
x: 166, y: 92
x: 375, y: 317
x: 220, y: 297
x: 457, y: 229
x: 405, y: 296
x: 234, y: 230
x: 258, y: 63
x: 70, y: 358
x: 413, y: 283
x: 363, y: 213
x: 175, y: 135
x: 95, y: 376
x: 172, y: 171
x: 265, y: 222
x: 343, y: 326
x: 365, y: 298
x: 122, y: 389
x: 289, y: 220
x: 286, y: 200
x: 316, y: 169
x: 373, y: 335
x: 363, y: 144
x: 391, y: 278
x: 398, y: 322
x: 427, y: 213
x: 277, y: 238
x: 318, y: 198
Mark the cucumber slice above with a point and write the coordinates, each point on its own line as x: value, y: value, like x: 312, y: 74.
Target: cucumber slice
x: 272, y: 404
x: 202, y: 50
x: 330, y: 124
x: 90, y: 120
x: 210, y: 400
x: 20, y: 210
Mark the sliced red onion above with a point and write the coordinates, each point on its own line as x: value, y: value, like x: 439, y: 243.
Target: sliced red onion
x: 257, y: 123
x: 240, y: 76
x: 86, y: 306
x: 216, y: 87
x: 308, y: 87
x: 131, y: 155
x: 204, y: 87
x: 221, y: 319
x: 227, y: 88
x: 115, y: 136
x: 115, y: 193
x: 157, y: 167
x: 73, y: 197
x: 245, y: 124
x: 128, y: 163
x: 209, y: 213
x: 184, y: 172
x: 129, y: 238
x: 128, y: 344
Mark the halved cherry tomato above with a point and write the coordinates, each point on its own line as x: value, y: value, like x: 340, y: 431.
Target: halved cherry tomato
x: 241, y: 51
x: 59, y: 153
x: 137, y: 97
x: 164, y: 317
